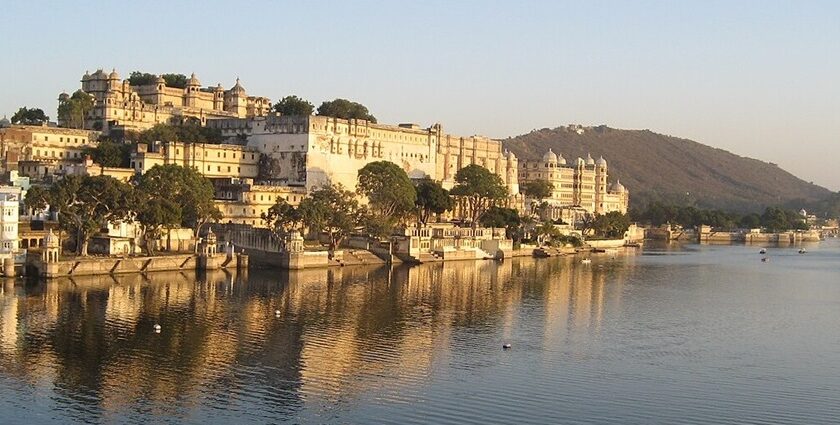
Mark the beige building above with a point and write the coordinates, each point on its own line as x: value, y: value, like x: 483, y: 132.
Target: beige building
x: 243, y: 202
x: 212, y: 160
x: 39, y: 151
x: 118, y: 104
x: 313, y: 150
x: 579, y: 185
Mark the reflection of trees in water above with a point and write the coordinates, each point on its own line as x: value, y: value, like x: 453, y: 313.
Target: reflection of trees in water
x: 338, y: 330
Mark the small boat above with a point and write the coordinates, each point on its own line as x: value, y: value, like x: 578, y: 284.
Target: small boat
x: 586, y: 261
x: 802, y: 250
x: 763, y: 251
x: 764, y: 259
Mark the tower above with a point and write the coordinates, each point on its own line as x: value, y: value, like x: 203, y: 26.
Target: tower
x: 600, y: 184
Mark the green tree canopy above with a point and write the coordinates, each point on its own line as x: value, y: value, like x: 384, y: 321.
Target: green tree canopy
x: 30, y: 116
x: 281, y: 218
x: 293, y: 105
x: 86, y: 204
x: 343, y: 108
x: 431, y: 198
x: 73, y: 111
x: 189, y: 131
x: 506, y: 218
x: 110, y: 154
x: 185, y: 186
x: 388, y: 189
x: 537, y: 189
x: 178, y: 81
x: 333, y: 210
x: 137, y: 78
x: 611, y: 225
x: 480, y: 190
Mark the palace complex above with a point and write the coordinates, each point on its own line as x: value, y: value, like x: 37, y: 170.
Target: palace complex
x: 268, y: 155
x: 120, y: 105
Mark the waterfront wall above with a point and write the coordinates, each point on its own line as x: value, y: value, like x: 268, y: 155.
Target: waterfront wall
x: 91, y: 266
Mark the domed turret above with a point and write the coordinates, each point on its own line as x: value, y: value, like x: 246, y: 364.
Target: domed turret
x: 113, y: 75
x: 218, y: 87
x: 550, y: 156
x: 4, y: 122
x: 63, y: 97
x: 98, y: 75
x: 237, y: 88
x: 86, y: 76
x: 589, y: 160
x: 561, y: 160
x: 193, y: 80
x: 617, y: 187
x: 601, y: 161
x: 51, y: 240
x: 160, y: 80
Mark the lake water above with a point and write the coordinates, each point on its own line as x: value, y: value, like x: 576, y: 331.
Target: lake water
x: 677, y: 334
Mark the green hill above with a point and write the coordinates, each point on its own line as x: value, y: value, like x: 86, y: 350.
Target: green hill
x: 658, y: 167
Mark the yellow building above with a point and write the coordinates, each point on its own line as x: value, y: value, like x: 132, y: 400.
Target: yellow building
x: 211, y: 160
x: 38, y: 151
x: 243, y: 202
x: 118, y: 104
x: 579, y: 185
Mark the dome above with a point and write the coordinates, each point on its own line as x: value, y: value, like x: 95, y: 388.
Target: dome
x: 98, y: 75
x: 601, y: 161
x: 63, y: 97
x: 113, y: 75
x: 617, y: 187
x: 561, y: 160
x: 160, y: 80
x: 193, y: 81
x: 86, y: 76
x: 4, y: 122
x: 549, y: 156
x: 238, y: 87
x: 51, y: 240
x: 589, y: 160
x: 219, y: 87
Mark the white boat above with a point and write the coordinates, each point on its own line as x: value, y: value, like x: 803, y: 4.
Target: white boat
x: 802, y: 250
x: 586, y: 261
x: 763, y: 251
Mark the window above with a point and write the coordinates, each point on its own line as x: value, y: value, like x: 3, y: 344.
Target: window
x: 46, y: 138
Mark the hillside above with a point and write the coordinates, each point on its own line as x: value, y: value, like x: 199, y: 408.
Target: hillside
x: 658, y: 167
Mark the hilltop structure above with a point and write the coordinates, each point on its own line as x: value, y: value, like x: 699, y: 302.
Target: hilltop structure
x: 38, y: 151
x: 120, y: 105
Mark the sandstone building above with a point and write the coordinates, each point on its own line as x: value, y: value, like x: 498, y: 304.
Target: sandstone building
x: 580, y: 185
x: 120, y: 105
x: 39, y: 151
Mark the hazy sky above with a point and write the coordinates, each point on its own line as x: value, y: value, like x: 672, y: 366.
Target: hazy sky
x: 758, y: 78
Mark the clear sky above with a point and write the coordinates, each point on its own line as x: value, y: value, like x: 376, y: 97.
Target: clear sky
x: 758, y: 78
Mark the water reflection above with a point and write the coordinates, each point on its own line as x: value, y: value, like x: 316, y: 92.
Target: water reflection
x: 89, y: 342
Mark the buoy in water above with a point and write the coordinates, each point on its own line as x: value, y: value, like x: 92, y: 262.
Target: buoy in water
x: 506, y: 346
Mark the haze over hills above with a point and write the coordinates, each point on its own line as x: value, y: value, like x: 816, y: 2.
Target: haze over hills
x: 670, y: 169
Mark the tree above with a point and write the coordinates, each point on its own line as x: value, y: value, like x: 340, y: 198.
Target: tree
x: 431, y: 198
x: 188, y: 188
x: 388, y: 189
x: 110, y: 154
x: 333, y: 210
x: 611, y: 225
x: 154, y: 213
x: 178, y: 81
x: 479, y: 188
x: 85, y: 204
x: 293, y: 105
x: 37, y: 198
x: 138, y: 78
x: 506, y: 218
x: 188, y: 131
x: 72, y: 111
x: 537, y: 190
x: 281, y: 218
x: 343, y: 108
x: 30, y: 116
